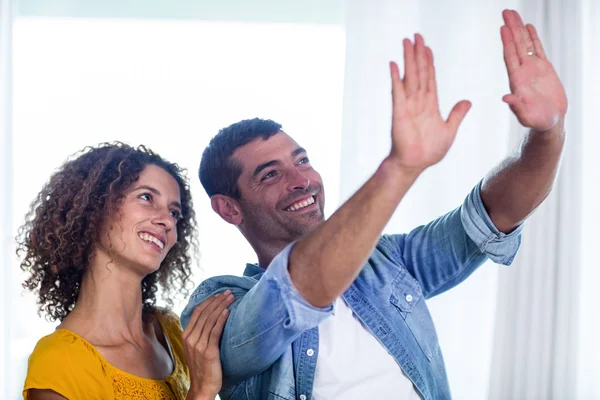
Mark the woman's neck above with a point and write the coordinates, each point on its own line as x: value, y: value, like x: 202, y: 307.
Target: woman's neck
x: 109, y: 305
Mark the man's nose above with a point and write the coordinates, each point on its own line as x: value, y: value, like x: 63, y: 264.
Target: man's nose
x: 297, y: 180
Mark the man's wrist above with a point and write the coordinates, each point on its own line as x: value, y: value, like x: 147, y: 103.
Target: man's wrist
x: 394, y: 171
x: 558, y: 130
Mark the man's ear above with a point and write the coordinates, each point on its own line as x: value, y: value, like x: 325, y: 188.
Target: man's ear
x: 227, y: 208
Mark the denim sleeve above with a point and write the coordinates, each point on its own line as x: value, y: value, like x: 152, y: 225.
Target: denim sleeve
x: 265, y: 318
x: 443, y: 253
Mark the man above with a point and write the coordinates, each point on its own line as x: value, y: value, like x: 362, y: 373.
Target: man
x: 333, y: 309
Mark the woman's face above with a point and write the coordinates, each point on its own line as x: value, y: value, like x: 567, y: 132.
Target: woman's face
x: 144, y: 228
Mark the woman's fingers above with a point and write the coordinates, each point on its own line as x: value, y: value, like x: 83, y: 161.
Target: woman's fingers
x: 212, y: 319
x: 202, y: 313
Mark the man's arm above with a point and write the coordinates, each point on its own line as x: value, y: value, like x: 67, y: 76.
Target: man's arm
x: 514, y: 189
x: 323, y: 264
x: 444, y: 252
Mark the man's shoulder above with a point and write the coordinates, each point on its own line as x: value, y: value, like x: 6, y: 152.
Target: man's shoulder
x: 239, y: 286
x: 220, y: 283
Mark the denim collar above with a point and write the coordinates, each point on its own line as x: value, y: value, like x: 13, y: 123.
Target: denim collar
x: 253, y: 270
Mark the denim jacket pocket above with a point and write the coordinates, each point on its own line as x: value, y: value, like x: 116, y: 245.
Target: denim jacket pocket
x: 406, y: 292
x: 407, y: 298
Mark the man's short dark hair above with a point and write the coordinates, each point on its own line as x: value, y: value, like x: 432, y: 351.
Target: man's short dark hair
x: 218, y: 171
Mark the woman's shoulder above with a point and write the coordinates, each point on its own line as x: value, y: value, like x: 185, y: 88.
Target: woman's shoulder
x: 169, y: 321
x: 66, y: 363
x: 62, y: 344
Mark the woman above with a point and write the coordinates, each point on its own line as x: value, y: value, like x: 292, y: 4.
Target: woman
x: 111, y: 228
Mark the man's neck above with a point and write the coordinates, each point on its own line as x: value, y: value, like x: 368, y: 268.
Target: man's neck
x: 266, y: 253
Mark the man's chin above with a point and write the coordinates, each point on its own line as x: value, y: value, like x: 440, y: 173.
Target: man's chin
x: 313, y: 216
x: 309, y: 222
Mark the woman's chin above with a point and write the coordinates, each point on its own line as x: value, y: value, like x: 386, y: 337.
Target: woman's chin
x: 145, y: 267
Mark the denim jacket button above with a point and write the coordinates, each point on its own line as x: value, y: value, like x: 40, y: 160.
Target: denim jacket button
x: 302, y: 397
x: 408, y: 298
x: 310, y: 352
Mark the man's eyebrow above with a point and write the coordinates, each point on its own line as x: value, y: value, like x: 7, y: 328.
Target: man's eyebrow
x: 156, y: 192
x: 264, y: 166
x: 299, y: 150
x: 272, y: 163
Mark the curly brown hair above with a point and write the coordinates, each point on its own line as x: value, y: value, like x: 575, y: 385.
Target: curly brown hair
x: 63, y: 225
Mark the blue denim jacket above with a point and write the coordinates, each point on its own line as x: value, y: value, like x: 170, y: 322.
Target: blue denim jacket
x: 270, y: 344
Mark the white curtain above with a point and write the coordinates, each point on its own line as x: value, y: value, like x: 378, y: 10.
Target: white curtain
x: 535, y: 352
x: 529, y: 331
x: 6, y: 13
x: 588, y: 345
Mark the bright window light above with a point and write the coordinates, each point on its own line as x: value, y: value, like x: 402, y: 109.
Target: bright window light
x: 170, y: 85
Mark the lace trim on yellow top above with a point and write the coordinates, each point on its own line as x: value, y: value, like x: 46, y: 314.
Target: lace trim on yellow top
x: 123, y: 384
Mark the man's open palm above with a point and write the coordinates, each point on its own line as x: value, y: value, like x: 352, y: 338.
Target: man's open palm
x: 420, y: 136
x: 537, y: 95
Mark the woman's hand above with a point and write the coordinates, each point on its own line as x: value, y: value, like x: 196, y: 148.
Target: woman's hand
x: 201, y: 346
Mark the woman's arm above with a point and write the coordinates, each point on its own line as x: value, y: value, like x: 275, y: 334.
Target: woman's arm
x: 44, y: 394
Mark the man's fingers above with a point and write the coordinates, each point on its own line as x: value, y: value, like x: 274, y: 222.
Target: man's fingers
x: 512, y: 100
x: 421, y: 58
x: 512, y: 25
x: 411, y: 79
x: 515, y: 104
x: 394, y: 72
x: 398, y: 94
x: 431, y: 83
x: 516, y: 26
x: 523, y: 42
x: 527, y: 40
x: 511, y: 58
x: 457, y: 115
x: 537, y: 43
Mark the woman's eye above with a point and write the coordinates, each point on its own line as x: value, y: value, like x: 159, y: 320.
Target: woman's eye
x: 146, y: 196
x: 176, y: 214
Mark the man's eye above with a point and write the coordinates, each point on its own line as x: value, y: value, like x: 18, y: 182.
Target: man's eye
x: 269, y: 175
x: 304, y: 160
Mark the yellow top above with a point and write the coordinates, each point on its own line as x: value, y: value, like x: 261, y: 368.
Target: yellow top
x: 72, y: 367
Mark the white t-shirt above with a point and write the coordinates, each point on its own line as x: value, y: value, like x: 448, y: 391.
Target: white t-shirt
x: 352, y: 364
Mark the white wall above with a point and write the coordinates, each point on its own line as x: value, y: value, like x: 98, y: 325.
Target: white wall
x: 329, y: 12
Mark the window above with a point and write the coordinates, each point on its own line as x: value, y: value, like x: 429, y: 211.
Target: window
x: 170, y: 85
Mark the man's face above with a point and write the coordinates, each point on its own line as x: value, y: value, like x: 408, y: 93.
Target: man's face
x: 282, y: 195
